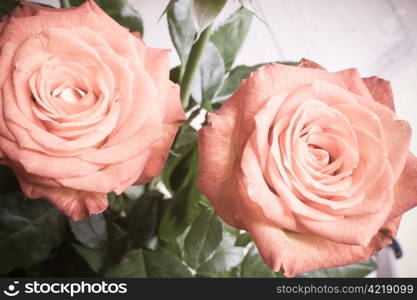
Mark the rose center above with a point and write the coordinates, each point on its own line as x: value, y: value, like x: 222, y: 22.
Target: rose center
x: 71, y: 95
x: 321, y: 156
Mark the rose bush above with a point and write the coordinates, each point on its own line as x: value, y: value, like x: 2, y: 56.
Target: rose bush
x: 85, y: 107
x: 313, y: 164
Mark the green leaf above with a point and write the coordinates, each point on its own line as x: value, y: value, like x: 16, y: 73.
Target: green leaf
x: 92, y: 232
x: 235, y: 76
x: 95, y: 258
x: 179, y: 176
x: 181, y: 27
x: 210, y: 75
x: 224, y: 259
x: 243, y: 240
x: 121, y: 11
x: 174, y: 74
x: 119, y: 241
x: 139, y: 263
x: 180, y: 212
x: 29, y: 230
x: 203, y: 238
x: 351, y: 271
x: 178, y: 163
x: 253, y: 265
x: 204, y: 12
x: 8, y: 181
x: 230, y: 35
x: 249, y: 6
x: 142, y: 221
x: 233, y: 80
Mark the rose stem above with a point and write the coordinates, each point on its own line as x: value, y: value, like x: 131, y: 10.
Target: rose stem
x: 192, y: 65
x: 65, y: 3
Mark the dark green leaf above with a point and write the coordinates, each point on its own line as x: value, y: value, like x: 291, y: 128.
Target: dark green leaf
x: 140, y: 263
x: 119, y: 241
x: 233, y: 80
x: 142, y: 221
x: 8, y: 181
x: 230, y: 35
x: 121, y: 11
x: 174, y: 74
x: 181, y: 27
x: 177, y: 171
x: 203, y: 238
x: 243, y: 240
x: 224, y: 259
x: 253, y: 265
x: 204, y: 12
x: 180, y: 212
x: 210, y: 75
x: 92, y: 232
x: 94, y: 257
x: 353, y: 271
x: 29, y: 229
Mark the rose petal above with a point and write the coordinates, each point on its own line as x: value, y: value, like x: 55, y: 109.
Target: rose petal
x: 109, y: 178
x: 406, y: 188
x: 47, y: 166
x: 217, y: 146
x: 75, y: 204
x: 305, y: 63
x: 174, y: 117
x: 380, y: 90
x: 285, y: 250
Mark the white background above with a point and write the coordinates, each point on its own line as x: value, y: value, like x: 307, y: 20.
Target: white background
x: 379, y: 37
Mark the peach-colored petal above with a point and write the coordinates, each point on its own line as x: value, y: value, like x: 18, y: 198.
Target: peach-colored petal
x: 47, y: 166
x: 75, y: 204
x: 406, y: 188
x: 174, y: 117
x: 356, y: 229
x: 305, y: 63
x: 217, y: 146
x: 297, y: 253
x: 109, y: 178
x: 27, y: 9
x: 380, y: 90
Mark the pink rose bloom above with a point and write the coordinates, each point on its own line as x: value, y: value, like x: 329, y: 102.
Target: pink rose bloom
x: 85, y: 107
x: 314, y: 165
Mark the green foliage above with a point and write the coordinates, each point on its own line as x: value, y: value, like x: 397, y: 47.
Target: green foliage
x: 29, y: 230
x: 92, y: 232
x: 253, y: 265
x: 94, y: 257
x: 209, y: 77
x: 230, y: 35
x: 204, y: 12
x: 181, y: 27
x: 224, y: 259
x: 141, y: 263
x: 203, y: 239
